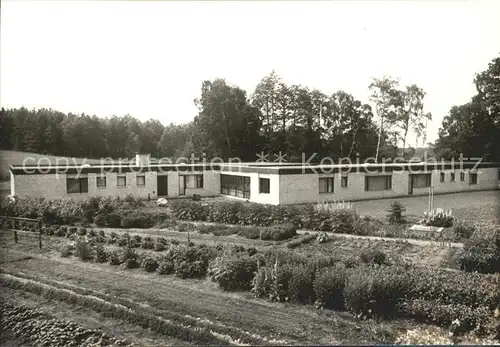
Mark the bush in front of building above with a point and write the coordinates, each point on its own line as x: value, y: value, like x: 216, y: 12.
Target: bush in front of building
x: 329, y: 283
x: 139, y: 219
x: 437, y: 218
x: 481, y: 252
x: 278, y: 232
x: 233, y: 270
x: 395, y: 215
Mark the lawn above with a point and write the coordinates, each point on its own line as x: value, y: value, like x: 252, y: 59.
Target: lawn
x: 483, y: 205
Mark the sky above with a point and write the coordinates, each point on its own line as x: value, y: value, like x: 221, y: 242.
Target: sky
x: 148, y: 59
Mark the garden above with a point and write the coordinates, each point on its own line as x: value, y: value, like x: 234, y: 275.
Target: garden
x: 372, y: 281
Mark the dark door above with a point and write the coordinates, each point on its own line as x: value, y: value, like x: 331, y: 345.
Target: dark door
x: 410, y: 184
x: 162, y: 184
x: 182, y: 185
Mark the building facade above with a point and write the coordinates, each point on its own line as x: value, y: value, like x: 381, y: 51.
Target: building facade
x: 269, y: 184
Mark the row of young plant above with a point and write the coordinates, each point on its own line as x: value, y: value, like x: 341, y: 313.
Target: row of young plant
x: 136, y: 316
x: 365, y: 288
x: 34, y: 327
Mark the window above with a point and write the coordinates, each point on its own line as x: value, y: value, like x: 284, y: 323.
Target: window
x: 472, y: 178
x: 199, y: 181
x: 141, y: 180
x: 101, y: 182
x: 378, y: 182
x: 122, y: 181
x: 194, y: 181
x: 452, y: 177
x: 462, y: 176
x: 326, y: 185
x: 344, y: 180
x: 421, y: 180
x: 77, y: 185
x: 264, y: 185
x: 238, y: 186
x: 441, y: 176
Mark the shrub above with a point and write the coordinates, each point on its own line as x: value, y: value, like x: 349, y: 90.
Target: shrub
x: 185, y: 269
x: 329, y: 287
x: 149, y: 263
x: 433, y: 312
x: 481, y: 252
x: 99, y: 254
x: 463, y: 230
x: 300, y: 284
x: 148, y: 243
x: 373, y: 256
x: 81, y: 231
x: 136, y: 241
x: 114, y: 258
x: 233, y: 271
x: 65, y: 251
x: 279, y: 232
x: 72, y: 231
x: 301, y: 241
x: 61, y: 231
x: 160, y: 244
x: 437, y: 218
x: 83, y: 250
x: 108, y: 219
x: 262, y: 282
x: 129, y: 258
x: 251, y: 233
x: 124, y: 240
x: 175, y: 242
x: 103, y: 234
x: 396, y: 210
x: 373, y: 291
x: 138, y: 219
x: 165, y: 266
x: 133, y: 201
x: 113, y: 238
x: 189, y: 210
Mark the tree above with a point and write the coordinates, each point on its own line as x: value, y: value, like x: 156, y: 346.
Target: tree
x: 473, y: 129
x: 386, y: 98
x: 488, y: 87
x: 411, y: 112
x: 227, y: 125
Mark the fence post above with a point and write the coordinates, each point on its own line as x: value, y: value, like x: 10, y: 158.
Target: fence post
x: 15, y: 230
x: 40, y: 233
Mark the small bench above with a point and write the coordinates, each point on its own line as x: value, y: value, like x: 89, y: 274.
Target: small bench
x: 429, y: 230
x: 425, y: 228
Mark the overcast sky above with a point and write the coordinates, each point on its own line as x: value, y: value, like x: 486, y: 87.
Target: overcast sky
x: 148, y: 59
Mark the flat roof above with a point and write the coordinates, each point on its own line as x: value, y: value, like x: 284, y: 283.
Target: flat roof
x: 265, y: 168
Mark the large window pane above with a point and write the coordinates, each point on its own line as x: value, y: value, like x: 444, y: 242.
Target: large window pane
x: 421, y: 180
x: 378, y: 182
x: 235, y: 186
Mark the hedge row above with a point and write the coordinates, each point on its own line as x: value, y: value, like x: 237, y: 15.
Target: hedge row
x: 235, y: 212
x: 103, y: 211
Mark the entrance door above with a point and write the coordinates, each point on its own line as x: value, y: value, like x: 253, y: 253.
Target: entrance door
x: 410, y: 184
x: 182, y: 185
x: 162, y: 185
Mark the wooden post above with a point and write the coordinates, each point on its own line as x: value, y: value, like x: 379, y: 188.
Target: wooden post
x: 15, y: 230
x: 40, y: 233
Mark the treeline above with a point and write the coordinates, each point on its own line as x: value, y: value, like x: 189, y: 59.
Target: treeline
x: 276, y: 117
x: 473, y: 129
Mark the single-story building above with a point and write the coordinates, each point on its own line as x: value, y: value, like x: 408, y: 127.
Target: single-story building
x: 288, y: 183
